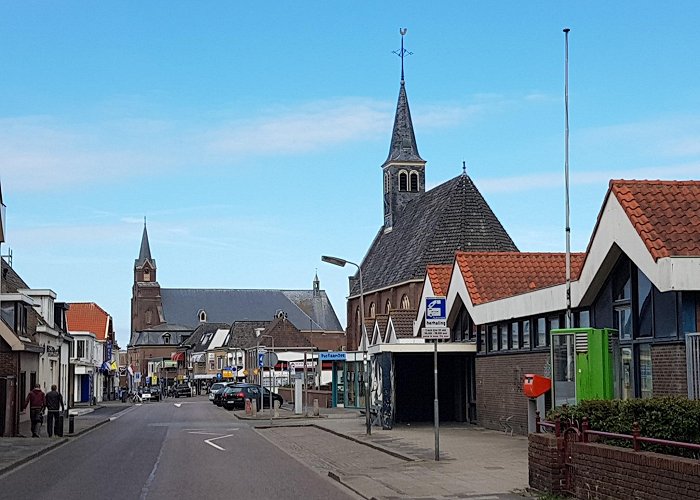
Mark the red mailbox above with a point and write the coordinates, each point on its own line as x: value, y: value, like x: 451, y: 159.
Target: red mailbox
x: 535, y: 385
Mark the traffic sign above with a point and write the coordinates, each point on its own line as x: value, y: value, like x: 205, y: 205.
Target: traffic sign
x: 261, y: 358
x: 435, y: 333
x: 332, y: 356
x: 436, y: 311
x: 270, y: 359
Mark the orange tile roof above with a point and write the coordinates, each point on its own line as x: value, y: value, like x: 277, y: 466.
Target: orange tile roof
x: 666, y: 214
x: 439, y: 275
x: 492, y: 276
x: 87, y: 317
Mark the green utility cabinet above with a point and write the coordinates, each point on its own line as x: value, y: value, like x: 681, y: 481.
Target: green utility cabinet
x: 583, y: 365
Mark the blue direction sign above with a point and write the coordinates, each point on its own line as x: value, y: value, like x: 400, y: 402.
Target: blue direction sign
x: 261, y: 359
x: 332, y: 356
x: 435, y: 311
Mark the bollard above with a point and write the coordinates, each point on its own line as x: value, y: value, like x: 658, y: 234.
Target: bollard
x: 71, y: 424
x: 276, y: 404
x: 254, y: 408
x: 316, y: 412
x: 248, y: 407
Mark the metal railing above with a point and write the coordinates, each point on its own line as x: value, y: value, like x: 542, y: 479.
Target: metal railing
x: 637, y: 439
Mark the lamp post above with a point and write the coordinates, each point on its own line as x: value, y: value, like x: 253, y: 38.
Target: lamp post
x: 271, y: 371
x: 336, y: 261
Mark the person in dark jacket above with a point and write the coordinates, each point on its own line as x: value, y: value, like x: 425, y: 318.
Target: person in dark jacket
x: 36, y: 401
x: 54, y: 400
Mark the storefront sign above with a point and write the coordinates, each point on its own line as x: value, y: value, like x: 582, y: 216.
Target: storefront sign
x: 332, y: 356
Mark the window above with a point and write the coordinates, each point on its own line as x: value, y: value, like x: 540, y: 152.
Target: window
x: 552, y: 324
x: 541, y: 333
x: 503, y: 327
x: 493, y: 343
x: 403, y: 181
x: 583, y: 319
x: 149, y: 318
x: 515, y: 334
x: 166, y: 338
x: 414, y: 181
x: 80, y: 349
x: 372, y: 310
x: 481, y: 340
x: 622, y: 284
x: 526, y: 334
x: 387, y: 182
x: 622, y: 321
x: 146, y: 274
x: 219, y: 362
x: 405, y: 303
x: 645, y: 378
x: 202, y: 314
x: 626, y: 387
x: 387, y: 306
x: 665, y: 314
x: 644, y: 305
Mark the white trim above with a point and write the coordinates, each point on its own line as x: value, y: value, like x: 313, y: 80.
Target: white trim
x: 446, y: 347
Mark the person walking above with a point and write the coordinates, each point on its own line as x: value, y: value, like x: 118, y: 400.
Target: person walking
x: 54, y: 400
x: 36, y: 400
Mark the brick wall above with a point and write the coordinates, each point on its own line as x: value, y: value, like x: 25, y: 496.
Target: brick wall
x: 668, y: 369
x: 499, y: 388
x: 545, y: 463
x: 607, y: 472
x: 8, y: 363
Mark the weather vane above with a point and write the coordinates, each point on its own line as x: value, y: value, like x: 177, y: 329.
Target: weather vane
x: 403, y: 52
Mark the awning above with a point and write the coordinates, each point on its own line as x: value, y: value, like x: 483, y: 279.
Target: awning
x: 198, y: 357
x: 177, y: 356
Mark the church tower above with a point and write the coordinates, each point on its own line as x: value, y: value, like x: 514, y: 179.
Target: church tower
x: 146, y: 306
x: 404, y: 169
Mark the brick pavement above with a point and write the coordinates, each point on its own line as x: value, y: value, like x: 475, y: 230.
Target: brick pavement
x: 475, y: 463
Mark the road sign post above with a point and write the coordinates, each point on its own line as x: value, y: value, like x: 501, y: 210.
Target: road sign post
x: 436, y: 329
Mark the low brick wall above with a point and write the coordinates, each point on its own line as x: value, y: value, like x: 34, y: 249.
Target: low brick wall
x: 607, y: 472
x: 325, y: 398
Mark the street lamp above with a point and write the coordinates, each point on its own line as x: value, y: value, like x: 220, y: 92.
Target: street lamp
x: 336, y: 261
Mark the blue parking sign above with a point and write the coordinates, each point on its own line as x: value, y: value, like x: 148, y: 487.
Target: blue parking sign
x: 435, y: 311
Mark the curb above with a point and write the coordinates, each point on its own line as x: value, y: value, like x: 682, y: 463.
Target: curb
x: 32, y: 456
x: 377, y: 447
x: 338, y: 478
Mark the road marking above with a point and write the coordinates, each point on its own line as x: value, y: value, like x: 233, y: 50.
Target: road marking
x: 209, y: 441
x: 177, y: 404
x: 205, y: 433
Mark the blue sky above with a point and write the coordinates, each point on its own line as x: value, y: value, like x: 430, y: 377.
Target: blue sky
x: 252, y: 136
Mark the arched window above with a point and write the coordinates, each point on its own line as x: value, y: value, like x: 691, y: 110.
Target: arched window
x: 202, y: 314
x: 405, y: 303
x: 414, y: 181
x: 387, y: 182
x: 372, y: 310
x: 146, y: 274
x: 166, y: 338
x: 387, y: 306
x: 403, y: 181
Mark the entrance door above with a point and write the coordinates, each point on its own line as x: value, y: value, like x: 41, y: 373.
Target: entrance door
x: 85, y: 388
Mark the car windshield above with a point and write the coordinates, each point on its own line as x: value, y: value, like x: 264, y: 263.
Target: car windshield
x: 233, y: 388
x: 217, y: 386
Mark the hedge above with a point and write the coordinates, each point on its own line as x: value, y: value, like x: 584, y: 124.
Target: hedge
x: 672, y: 418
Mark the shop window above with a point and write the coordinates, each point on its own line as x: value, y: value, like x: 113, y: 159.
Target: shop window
x: 515, y: 334
x: 504, y: 336
x: 541, y: 333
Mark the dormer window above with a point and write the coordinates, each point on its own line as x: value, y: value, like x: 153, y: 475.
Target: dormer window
x: 166, y: 338
x: 202, y: 315
x: 414, y: 182
x: 403, y: 181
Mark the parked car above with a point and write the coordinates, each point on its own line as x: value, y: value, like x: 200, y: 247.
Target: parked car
x: 153, y: 391
x: 216, y: 389
x: 183, y: 390
x: 219, y: 392
x: 234, y: 396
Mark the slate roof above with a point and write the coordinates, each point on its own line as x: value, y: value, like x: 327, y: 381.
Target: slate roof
x: 242, y: 333
x: 11, y: 282
x: 286, y: 335
x: 87, y: 317
x: 318, y: 307
x: 182, y: 305
x: 431, y: 228
x: 492, y: 276
x: 402, y: 319
x: 666, y: 214
x: 145, y: 250
x: 403, y: 145
x: 440, y: 275
x: 154, y: 335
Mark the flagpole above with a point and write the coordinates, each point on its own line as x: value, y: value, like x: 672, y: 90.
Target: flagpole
x: 569, y: 323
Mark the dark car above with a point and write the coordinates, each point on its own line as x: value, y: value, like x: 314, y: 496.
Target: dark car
x: 234, y: 396
x: 215, y: 395
x: 182, y: 390
x: 154, y: 391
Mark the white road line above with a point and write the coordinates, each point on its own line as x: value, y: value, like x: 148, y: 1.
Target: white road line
x: 209, y: 441
x: 206, y: 433
x: 177, y: 404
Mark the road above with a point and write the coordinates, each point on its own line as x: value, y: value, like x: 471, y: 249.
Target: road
x: 183, y: 448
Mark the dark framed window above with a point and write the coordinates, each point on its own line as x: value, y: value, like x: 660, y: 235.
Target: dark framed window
x: 526, y: 334
x: 644, y: 373
x: 515, y: 335
x: 493, y: 340
x: 481, y: 339
x: 403, y: 181
x: 665, y: 314
x: 414, y: 181
x: 644, y: 305
x: 505, y: 341
x: 582, y: 319
x: 540, y: 332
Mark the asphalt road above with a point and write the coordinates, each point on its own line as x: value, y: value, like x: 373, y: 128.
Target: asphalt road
x: 163, y: 451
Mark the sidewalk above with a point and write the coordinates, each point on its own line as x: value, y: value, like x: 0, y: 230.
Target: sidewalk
x: 15, y: 451
x: 399, y: 463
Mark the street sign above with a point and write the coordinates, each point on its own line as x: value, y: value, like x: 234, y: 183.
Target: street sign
x: 435, y: 333
x: 332, y: 356
x: 436, y: 311
x: 261, y: 359
x: 270, y: 359
x: 219, y: 376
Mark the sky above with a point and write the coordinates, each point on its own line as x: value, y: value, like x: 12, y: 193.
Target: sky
x: 251, y: 134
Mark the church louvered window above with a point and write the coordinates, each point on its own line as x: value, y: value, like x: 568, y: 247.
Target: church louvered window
x: 414, y: 181
x: 403, y: 181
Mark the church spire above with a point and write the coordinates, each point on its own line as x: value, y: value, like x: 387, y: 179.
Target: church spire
x: 145, y: 251
x: 403, y: 146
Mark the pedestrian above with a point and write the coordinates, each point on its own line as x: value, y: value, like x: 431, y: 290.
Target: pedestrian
x: 36, y: 400
x: 54, y: 399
